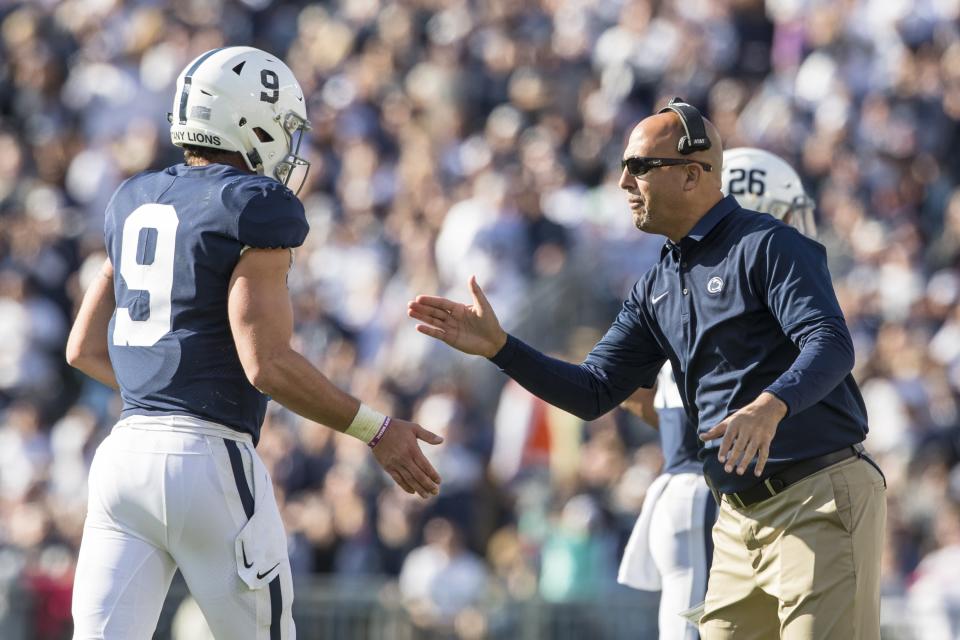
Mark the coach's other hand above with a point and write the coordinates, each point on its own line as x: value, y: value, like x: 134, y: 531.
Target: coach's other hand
x: 400, y: 456
x: 473, y: 329
x: 748, y: 433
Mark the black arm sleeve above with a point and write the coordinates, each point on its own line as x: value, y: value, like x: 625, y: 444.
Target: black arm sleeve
x: 626, y: 358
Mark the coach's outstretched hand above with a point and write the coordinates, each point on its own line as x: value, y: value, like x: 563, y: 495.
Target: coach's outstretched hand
x: 473, y: 329
x: 398, y: 452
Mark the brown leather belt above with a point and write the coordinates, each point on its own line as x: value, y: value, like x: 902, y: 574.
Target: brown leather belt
x: 793, y: 474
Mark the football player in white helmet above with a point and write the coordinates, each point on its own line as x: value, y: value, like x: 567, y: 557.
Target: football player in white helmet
x: 764, y: 182
x: 194, y: 328
x: 670, y: 547
x: 245, y: 100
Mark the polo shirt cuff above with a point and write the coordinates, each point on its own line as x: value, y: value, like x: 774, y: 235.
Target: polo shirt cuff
x: 782, y: 398
x: 507, y: 352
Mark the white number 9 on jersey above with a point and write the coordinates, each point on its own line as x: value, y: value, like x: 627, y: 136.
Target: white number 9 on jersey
x: 153, y: 274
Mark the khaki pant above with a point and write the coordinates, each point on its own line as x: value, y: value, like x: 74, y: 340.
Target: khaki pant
x: 803, y: 565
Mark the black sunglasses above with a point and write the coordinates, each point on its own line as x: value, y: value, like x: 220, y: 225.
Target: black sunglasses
x: 638, y: 165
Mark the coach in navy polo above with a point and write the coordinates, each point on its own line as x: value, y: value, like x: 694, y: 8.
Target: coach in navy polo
x: 733, y: 316
x: 743, y: 307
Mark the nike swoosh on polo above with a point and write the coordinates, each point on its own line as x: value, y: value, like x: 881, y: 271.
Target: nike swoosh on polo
x: 243, y: 550
x: 260, y: 576
x: 658, y: 298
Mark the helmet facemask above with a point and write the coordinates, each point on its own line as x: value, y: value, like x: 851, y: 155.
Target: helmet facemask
x: 799, y: 214
x: 292, y: 169
x: 275, y: 149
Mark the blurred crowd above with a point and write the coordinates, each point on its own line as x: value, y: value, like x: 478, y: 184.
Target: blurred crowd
x: 459, y: 137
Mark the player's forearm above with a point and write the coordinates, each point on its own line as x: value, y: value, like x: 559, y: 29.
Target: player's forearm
x: 87, y: 352
x: 291, y: 380
x: 87, y: 344
x: 643, y: 410
x: 97, y: 367
x: 641, y: 403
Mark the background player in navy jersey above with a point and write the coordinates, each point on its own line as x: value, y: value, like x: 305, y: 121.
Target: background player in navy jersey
x: 192, y: 321
x: 670, y: 547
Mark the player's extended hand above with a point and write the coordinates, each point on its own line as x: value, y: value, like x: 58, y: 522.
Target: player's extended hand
x: 473, y: 329
x: 399, y: 454
x: 748, y: 433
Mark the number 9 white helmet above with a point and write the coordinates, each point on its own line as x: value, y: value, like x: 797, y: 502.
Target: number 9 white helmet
x: 764, y: 182
x: 246, y: 100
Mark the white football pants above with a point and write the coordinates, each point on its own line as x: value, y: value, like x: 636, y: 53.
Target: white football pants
x: 670, y: 549
x: 177, y: 492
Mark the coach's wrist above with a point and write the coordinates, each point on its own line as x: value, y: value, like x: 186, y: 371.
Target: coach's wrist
x: 496, y: 345
x: 771, y: 406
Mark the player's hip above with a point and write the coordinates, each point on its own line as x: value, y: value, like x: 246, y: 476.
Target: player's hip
x: 201, y: 499
x: 672, y: 533
x: 187, y: 431
x: 152, y: 475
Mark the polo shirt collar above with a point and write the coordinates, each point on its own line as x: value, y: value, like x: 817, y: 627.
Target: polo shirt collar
x: 716, y: 213
x: 705, y: 225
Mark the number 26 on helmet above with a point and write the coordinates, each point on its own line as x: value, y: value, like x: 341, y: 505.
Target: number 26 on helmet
x: 764, y: 182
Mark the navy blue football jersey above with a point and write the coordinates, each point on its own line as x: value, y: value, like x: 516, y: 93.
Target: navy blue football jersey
x: 174, y: 238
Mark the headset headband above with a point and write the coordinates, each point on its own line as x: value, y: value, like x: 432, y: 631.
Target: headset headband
x: 696, y: 133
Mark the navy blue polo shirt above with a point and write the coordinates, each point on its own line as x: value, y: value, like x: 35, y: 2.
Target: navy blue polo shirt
x: 741, y: 305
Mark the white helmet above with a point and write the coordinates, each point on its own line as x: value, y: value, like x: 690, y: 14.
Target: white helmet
x: 246, y: 100
x: 764, y: 182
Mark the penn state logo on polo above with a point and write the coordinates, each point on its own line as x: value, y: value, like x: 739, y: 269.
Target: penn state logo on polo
x: 714, y: 285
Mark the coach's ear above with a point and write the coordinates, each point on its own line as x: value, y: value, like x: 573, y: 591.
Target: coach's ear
x: 692, y: 176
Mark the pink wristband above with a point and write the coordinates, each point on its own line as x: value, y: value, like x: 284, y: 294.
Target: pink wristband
x: 383, y: 429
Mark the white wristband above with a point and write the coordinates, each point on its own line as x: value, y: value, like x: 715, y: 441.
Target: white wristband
x: 366, y: 424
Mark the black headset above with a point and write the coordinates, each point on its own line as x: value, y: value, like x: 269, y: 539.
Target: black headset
x: 696, y: 138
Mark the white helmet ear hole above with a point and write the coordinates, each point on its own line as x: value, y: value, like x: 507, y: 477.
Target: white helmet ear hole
x: 262, y: 135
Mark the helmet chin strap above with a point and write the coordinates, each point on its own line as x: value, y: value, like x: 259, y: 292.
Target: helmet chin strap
x: 255, y: 161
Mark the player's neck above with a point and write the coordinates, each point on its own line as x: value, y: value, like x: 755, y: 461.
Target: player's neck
x: 207, y: 157
x: 203, y: 162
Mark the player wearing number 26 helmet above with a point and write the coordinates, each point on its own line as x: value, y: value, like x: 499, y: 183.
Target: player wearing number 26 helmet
x: 764, y: 182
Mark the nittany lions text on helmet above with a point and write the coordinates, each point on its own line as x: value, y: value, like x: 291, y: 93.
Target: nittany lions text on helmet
x: 246, y: 100
x: 764, y: 182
